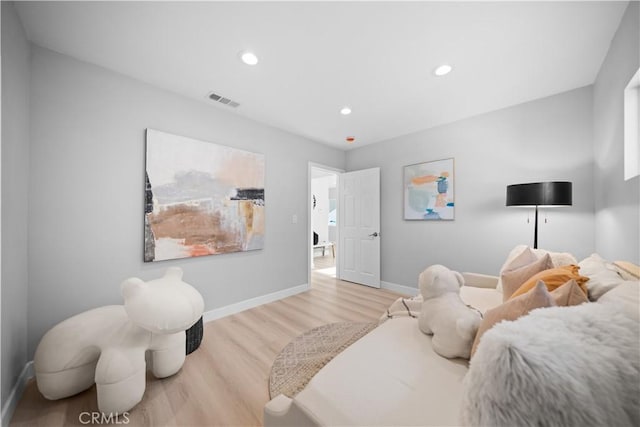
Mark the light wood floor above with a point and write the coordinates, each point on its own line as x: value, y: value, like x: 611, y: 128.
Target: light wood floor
x: 224, y: 382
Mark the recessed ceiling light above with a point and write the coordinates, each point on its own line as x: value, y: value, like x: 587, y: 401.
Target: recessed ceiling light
x: 249, y: 58
x: 345, y: 111
x: 443, y: 70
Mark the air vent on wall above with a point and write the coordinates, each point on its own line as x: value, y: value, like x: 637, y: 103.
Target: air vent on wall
x: 222, y: 100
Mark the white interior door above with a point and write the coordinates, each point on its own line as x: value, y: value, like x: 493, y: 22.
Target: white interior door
x: 359, y: 227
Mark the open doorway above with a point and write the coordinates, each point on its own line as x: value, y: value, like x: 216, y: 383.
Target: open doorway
x: 323, y: 221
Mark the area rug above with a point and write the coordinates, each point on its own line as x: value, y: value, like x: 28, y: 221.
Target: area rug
x: 303, y: 357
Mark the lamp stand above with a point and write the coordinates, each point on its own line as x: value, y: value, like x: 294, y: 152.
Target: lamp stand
x: 535, y: 231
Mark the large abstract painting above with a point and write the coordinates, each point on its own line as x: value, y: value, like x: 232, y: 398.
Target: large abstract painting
x: 201, y: 198
x: 429, y: 191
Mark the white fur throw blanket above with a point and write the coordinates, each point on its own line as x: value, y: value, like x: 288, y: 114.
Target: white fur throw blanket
x: 559, y: 366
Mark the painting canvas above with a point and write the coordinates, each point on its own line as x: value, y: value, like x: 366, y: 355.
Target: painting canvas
x: 429, y: 191
x: 201, y: 198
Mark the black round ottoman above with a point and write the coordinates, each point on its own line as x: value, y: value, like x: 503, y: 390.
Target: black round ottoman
x: 194, y: 336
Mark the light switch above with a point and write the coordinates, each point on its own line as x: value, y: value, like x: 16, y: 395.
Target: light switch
x: 294, y: 219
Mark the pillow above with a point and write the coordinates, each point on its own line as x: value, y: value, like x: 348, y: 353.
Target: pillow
x: 559, y: 366
x: 513, y: 279
x: 593, y: 264
x: 537, y: 297
x: 626, y: 296
x: 519, y: 256
x: 627, y: 270
x: 554, y: 278
x: 569, y: 294
x: 557, y: 258
x: 602, y: 275
x: 602, y: 282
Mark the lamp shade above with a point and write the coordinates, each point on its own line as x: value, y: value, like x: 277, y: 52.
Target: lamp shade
x: 556, y: 193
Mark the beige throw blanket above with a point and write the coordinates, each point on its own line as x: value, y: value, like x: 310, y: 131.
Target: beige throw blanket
x: 403, y: 307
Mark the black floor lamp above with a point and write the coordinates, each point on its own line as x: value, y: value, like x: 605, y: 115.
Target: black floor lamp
x: 539, y: 194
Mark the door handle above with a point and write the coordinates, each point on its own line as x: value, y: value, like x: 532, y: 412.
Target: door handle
x: 374, y: 234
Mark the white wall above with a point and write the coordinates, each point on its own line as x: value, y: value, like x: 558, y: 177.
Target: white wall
x: 333, y: 195
x: 617, y: 202
x: 320, y: 215
x: 15, y: 179
x: 544, y: 140
x: 87, y: 191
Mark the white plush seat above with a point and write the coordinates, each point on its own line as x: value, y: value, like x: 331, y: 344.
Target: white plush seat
x: 107, y: 345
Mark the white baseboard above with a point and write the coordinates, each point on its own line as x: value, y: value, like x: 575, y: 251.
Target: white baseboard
x: 407, y: 290
x: 227, y: 310
x: 16, y: 393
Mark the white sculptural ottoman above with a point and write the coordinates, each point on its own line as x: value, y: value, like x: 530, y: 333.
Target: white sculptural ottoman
x: 107, y: 345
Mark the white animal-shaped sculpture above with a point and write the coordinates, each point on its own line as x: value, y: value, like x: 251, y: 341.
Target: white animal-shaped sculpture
x: 107, y: 345
x: 444, y: 315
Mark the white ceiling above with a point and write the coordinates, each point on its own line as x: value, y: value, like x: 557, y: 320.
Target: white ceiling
x: 315, y: 57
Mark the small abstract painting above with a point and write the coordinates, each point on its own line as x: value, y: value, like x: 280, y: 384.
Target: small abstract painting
x: 429, y: 191
x: 201, y: 198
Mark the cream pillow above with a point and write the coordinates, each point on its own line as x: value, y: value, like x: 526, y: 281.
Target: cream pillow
x: 626, y: 296
x: 519, y: 256
x: 601, y: 283
x: 593, y: 264
x: 569, y: 294
x: 513, y: 279
x: 602, y: 275
x: 538, y: 297
x: 558, y: 259
x: 627, y: 270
